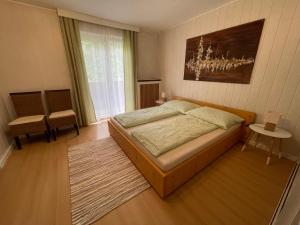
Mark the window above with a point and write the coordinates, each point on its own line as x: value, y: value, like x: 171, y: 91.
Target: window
x: 103, y: 57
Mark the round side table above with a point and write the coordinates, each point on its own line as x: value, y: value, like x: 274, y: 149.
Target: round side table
x: 279, y: 133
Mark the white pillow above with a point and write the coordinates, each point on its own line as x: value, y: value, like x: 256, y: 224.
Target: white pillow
x: 218, y: 117
x: 181, y: 105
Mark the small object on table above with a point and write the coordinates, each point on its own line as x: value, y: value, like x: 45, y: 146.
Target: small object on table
x: 271, y: 119
x: 259, y: 129
x: 160, y: 101
x: 270, y: 126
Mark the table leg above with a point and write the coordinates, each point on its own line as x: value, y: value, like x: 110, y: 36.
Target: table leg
x: 247, y: 141
x: 257, y: 136
x: 280, y: 149
x: 270, y: 151
x: 18, y: 143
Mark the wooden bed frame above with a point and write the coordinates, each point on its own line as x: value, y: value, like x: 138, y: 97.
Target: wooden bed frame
x: 166, y: 182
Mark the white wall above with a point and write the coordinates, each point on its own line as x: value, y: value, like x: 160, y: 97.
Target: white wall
x: 32, y: 56
x: 275, y: 81
x: 148, y: 67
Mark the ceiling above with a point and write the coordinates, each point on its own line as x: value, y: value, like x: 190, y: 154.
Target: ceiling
x: 152, y: 15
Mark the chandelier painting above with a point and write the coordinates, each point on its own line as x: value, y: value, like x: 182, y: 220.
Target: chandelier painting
x: 223, y: 56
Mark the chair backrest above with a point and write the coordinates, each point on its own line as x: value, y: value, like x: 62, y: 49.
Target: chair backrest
x: 58, y: 100
x: 28, y: 103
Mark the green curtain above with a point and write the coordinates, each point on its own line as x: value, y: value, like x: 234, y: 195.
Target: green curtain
x: 130, y: 62
x: 81, y: 93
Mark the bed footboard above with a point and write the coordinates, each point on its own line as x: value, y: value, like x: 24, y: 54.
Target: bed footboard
x: 166, y: 182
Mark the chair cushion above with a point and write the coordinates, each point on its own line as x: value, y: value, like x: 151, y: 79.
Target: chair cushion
x: 60, y: 114
x: 26, y: 119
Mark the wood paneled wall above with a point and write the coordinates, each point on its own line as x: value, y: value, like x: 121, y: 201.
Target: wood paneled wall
x: 275, y: 81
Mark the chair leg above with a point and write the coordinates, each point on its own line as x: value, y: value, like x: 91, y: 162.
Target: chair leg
x: 53, y: 134
x: 77, y: 128
x: 47, y: 135
x: 18, y: 143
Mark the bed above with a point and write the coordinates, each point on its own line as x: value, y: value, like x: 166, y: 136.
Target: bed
x: 172, y: 169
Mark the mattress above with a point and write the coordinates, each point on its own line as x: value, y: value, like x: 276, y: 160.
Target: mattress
x: 174, y: 157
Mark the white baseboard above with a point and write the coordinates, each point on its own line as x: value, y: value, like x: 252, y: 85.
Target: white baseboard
x: 284, y: 154
x: 291, y: 157
x: 5, y: 156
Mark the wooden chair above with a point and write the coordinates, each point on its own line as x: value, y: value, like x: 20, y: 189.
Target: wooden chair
x: 30, y: 116
x: 61, y: 110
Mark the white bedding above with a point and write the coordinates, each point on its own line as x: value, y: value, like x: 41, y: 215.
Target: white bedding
x: 174, y: 157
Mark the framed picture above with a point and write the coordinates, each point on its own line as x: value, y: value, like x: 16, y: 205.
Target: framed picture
x: 223, y: 56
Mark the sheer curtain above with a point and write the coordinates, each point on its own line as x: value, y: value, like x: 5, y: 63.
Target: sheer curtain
x: 103, y: 56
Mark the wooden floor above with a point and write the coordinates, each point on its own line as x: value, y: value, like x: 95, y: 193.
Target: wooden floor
x: 238, y: 188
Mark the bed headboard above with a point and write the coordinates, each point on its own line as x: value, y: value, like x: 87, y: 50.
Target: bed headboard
x: 249, y: 117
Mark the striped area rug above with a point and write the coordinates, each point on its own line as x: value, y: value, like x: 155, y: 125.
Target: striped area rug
x: 102, y: 178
